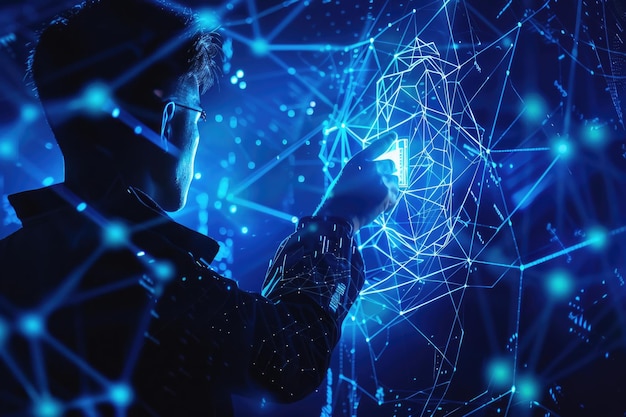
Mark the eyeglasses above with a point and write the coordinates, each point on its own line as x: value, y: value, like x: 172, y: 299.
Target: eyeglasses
x: 201, y: 111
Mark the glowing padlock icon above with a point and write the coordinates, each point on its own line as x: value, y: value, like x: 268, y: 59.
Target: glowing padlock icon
x: 398, y: 152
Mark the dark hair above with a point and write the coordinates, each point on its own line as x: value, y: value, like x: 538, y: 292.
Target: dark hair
x: 131, y: 46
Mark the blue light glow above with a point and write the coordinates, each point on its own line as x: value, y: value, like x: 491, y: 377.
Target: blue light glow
x: 31, y: 325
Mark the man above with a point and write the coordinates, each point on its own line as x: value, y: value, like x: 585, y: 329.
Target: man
x: 108, y: 307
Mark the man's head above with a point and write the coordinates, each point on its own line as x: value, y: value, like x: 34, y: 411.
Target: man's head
x: 146, y: 60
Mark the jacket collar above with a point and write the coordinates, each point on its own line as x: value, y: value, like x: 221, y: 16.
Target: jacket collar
x: 127, y: 203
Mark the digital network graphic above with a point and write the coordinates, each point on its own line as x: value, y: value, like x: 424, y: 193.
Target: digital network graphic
x: 495, y: 286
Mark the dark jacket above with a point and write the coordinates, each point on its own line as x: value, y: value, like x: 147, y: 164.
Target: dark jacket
x: 110, y: 306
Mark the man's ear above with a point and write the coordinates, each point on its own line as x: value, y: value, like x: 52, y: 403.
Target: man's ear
x: 166, y: 126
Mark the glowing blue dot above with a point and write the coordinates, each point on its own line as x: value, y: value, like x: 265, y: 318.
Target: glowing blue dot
x: 282, y: 107
x: 237, y: 140
x: 217, y: 205
x: 95, y: 96
x: 595, y: 135
x: 291, y: 71
x: 219, y: 118
x: 284, y: 142
x: 291, y: 113
x: 208, y: 18
x: 141, y: 253
x: 597, y: 237
x: 500, y: 372
x: 251, y: 165
x: 294, y: 219
x: 371, y: 40
x: 29, y: 112
x: 309, y: 112
x: 301, y: 178
x: 239, y: 73
x: 233, y: 209
x: 559, y: 284
x: 138, y: 130
x: 8, y: 149
x: 47, y: 408
x: 244, y: 230
x: 47, y: 181
x: 197, y: 175
x: 31, y: 325
x: 260, y: 47
x: 163, y: 270
x: 527, y: 388
x: 243, y: 85
x: 121, y: 395
x: 115, y: 113
x: 535, y: 108
x: 81, y: 206
x: 312, y: 104
x: 234, y: 80
x: 115, y: 234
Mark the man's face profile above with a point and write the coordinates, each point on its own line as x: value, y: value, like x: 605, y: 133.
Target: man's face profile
x: 180, y: 129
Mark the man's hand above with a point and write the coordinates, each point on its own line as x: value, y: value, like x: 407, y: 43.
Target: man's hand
x: 365, y: 188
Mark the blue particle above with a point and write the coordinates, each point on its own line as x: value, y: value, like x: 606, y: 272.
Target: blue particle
x: 217, y: 205
x: 138, y: 130
x: 291, y: 71
x: 312, y: 104
x: 197, y: 175
x: 233, y: 209
x: 95, y: 96
x: 243, y: 85
x: 244, y: 230
x: 49, y: 145
x: 115, y: 234
x: 291, y: 113
x: 258, y: 142
x: 121, y: 395
x: 260, y: 47
x: 283, y: 107
x: 47, y: 181
x: 309, y: 112
x: 115, y: 113
x: 294, y: 219
x: 141, y: 253
x: 47, y: 408
x: 163, y: 270
x: 7, y: 149
x: 81, y: 206
x: 237, y: 140
x: 239, y: 73
x: 284, y: 142
x: 219, y: 118
x: 234, y: 80
x: 31, y: 325
x: 29, y: 113
x: 251, y: 165
x: 300, y: 178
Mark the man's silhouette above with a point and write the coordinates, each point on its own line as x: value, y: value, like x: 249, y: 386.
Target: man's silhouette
x: 107, y: 306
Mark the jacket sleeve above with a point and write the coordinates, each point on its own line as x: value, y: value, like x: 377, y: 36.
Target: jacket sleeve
x: 278, y: 343
x: 311, y: 284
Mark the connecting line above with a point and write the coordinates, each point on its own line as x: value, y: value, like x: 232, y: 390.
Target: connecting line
x: 261, y: 208
x: 565, y: 251
x: 519, y: 150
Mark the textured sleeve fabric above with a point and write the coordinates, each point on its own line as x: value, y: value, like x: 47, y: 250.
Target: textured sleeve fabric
x: 312, y: 282
x: 277, y: 344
